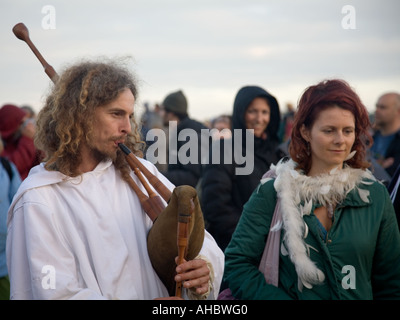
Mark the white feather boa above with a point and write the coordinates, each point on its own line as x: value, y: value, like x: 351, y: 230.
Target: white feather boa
x: 294, y: 189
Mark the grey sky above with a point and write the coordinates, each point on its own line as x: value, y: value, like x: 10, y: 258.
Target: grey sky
x: 209, y: 49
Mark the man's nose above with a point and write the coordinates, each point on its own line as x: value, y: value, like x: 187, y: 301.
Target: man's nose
x: 126, y: 126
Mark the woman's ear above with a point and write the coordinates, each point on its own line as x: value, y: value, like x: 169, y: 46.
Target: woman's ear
x: 305, y: 133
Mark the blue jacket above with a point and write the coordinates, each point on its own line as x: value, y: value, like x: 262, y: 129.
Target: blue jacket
x: 7, y: 192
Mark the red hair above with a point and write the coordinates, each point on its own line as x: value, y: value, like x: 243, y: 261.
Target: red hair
x: 320, y: 97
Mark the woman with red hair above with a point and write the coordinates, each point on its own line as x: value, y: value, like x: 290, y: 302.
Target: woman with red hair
x: 335, y: 224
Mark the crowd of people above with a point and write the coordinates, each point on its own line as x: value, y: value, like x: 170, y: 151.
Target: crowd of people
x: 321, y: 195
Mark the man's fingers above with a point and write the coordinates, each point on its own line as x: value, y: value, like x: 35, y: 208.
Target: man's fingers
x: 201, y: 282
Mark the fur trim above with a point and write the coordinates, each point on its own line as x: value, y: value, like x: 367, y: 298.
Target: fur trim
x: 298, y: 193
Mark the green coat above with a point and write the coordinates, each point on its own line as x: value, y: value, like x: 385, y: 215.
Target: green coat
x: 364, y: 242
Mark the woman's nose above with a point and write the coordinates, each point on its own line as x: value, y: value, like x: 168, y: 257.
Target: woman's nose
x: 259, y: 117
x: 339, y: 137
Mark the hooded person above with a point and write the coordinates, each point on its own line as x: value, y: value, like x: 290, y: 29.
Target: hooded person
x: 228, y: 184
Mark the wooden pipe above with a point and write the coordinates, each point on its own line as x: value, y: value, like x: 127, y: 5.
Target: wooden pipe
x: 152, y: 204
x: 184, y: 219
x: 22, y: 33
x: 154, y: 181
x: 146, y: 203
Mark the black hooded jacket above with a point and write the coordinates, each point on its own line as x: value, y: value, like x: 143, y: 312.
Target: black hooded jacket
x: 224, y: 192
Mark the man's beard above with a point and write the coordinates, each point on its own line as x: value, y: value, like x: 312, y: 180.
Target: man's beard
x: 100, y: 155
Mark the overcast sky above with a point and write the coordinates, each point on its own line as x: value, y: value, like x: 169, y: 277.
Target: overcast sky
x: 209, y: 49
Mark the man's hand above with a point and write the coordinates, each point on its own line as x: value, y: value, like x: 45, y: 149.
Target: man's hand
x: 194, y: 274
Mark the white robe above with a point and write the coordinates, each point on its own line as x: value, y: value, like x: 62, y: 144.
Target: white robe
x: 85, y: 238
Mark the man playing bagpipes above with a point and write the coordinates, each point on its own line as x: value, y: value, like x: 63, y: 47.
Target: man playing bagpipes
x: 76, y: 230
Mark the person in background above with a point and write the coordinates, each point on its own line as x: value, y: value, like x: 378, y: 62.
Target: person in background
x: 223, y: 124
x: 223, y: 191
x: 76, y: 229
x: 174, y: 111
x: 17, y: 131
x: 335, y: 231
x: 9, y: 182
x: 285, y: 129
x: 386, y: 139
x: 151, y: 119
x: 29, y: 111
